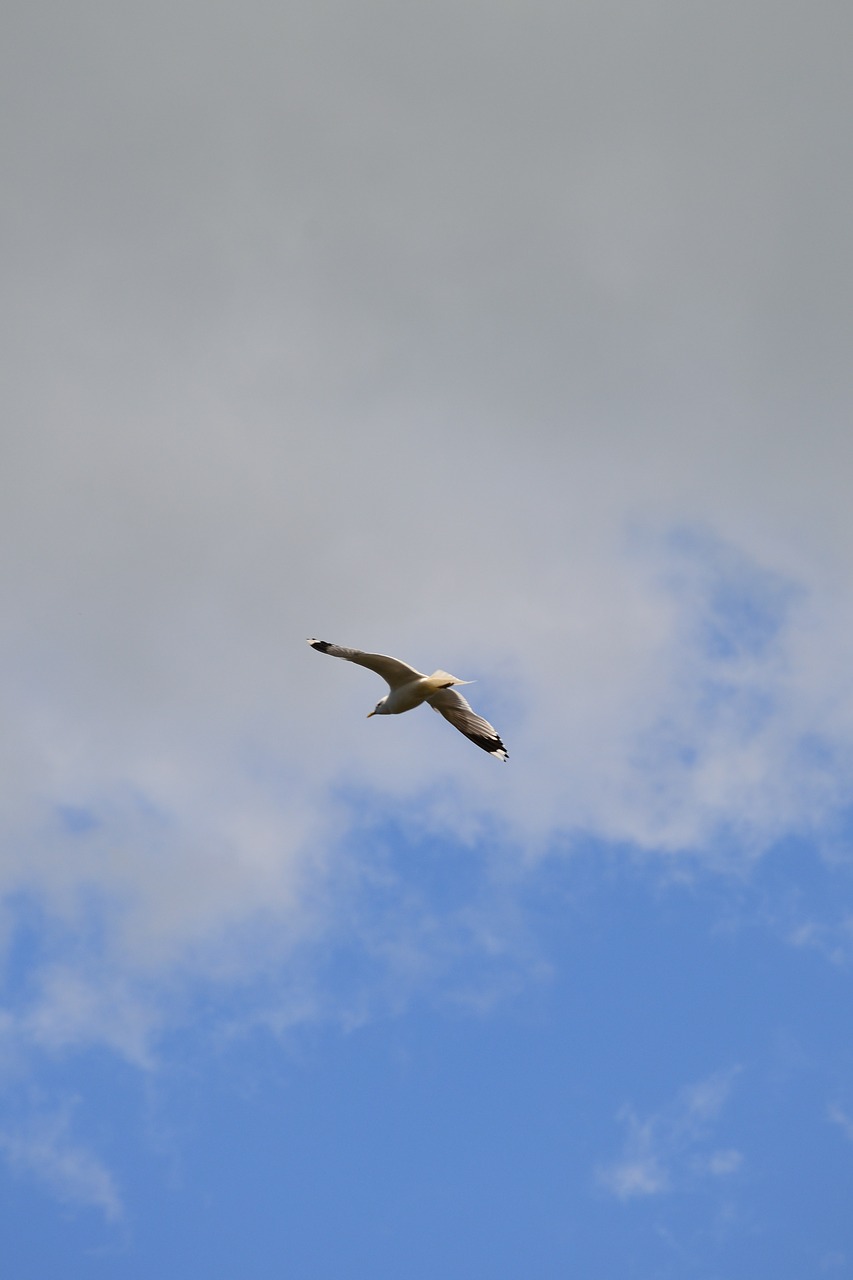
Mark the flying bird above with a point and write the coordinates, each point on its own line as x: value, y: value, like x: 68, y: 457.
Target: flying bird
x: 409, y: 688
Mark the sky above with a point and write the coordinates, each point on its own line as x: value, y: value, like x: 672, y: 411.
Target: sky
x: 511, y: 339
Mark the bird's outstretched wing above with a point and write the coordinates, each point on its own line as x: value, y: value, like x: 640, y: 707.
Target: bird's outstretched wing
x: 454, y: 708
x: 390, y: 669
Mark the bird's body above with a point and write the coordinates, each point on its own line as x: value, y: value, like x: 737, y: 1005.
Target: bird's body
x: 408, y: 688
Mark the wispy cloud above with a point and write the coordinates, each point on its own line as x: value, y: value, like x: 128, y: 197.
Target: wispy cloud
x: 721, y: 1163
x: 832, y: 937
x: 71, y: 1008
x: 672, y: 1146
x: 843, y: 1119
x: 45, y: 1149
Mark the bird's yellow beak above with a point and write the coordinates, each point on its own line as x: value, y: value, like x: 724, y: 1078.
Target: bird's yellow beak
x: 370, y: 713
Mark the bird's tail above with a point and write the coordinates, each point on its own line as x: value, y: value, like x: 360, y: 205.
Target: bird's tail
x: 444, y: 680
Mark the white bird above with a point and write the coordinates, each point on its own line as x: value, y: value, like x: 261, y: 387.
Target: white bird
x: 409, y: 688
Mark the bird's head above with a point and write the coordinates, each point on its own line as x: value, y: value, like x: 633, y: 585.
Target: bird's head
x: 379, y: 709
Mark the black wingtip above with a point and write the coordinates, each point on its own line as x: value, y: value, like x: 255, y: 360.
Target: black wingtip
x: 492, y: 745
x: 322, y: 646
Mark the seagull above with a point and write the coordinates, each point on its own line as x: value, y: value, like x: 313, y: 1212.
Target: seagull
x: 409, y: 688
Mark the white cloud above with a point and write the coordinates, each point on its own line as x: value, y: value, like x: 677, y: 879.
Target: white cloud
x: 667, y: 1149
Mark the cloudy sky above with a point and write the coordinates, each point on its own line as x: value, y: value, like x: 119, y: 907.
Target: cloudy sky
x: 508, y: 338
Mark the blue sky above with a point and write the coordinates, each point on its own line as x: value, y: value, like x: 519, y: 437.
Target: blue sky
x: 660, y: 1086
x: 512, y: 341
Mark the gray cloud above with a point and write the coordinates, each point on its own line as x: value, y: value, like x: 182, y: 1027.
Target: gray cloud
x: 507, y: 340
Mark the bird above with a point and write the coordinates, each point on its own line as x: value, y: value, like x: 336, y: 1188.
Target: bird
x: 408, y: 688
